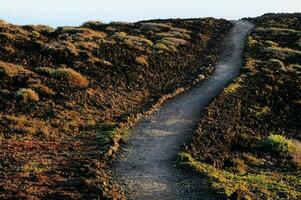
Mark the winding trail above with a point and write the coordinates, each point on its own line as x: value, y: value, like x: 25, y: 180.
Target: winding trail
x: 145, y: 168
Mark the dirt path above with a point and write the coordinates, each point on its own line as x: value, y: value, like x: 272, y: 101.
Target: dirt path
x: 146, y: 166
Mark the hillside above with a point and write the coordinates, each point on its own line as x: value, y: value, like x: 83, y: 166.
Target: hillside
x: 248, y: 140
x: 68, y: 95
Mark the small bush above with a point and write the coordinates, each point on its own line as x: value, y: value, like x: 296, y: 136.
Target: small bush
x: 160, y: 46
x: 41, y: 89
x: 237, y: 84
x: 71, y: 76
x: 120, y: 23
x: 296, y: 160
x: 141, y: 60
x: 283, y: 52
x: 276, y: 64
x: 250, y: 159
x: 64, y: 48
x: 173, y: 34
x: 70, y: 48
x: 69, y: 30
x: 133, y: 41
x: 44, y: 70
x: 92, y: 36
x: 271, y: 43
x: 92, y: 24
x: 120, y: 35
x: 11, y: 70
x: 27, y: 95
x: 279, y: 144
x: 9, y: 49
x: 175, y: 41
x: 295, y: 67
x: 156, y: 26
x: 238, y: 166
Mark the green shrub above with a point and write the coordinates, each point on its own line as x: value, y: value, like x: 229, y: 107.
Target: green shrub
x: 270, y: 43
x: 161, y: 46
x: 276, y: 64
x: 27, y: 95
x: 279, y: 144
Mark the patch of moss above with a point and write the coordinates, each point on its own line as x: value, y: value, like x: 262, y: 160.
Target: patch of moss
x: 235, y: 85
x: 263, y: 185
x: 279, y: 144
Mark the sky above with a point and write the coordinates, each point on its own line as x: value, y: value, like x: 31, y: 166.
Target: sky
x: 75, y: 12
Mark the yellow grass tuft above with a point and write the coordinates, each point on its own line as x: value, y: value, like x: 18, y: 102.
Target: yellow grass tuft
x: 71, y: 76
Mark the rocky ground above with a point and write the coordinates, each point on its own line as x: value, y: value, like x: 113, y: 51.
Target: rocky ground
x: 67, y: 96
x: 248, y: 140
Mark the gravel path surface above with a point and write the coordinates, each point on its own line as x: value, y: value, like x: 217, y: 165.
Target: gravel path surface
x: 145, y: 167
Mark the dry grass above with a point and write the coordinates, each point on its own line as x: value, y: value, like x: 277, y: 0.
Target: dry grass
x: 141, y: 60
x: 296, y: 160
x: 71, y: 76
x: 44, y: 70
x: 27, y: 95
x: 161, y: 46
x: 41, y: 89
x: 137, y: 42
x: 173, y: 34
x: 11, y: 70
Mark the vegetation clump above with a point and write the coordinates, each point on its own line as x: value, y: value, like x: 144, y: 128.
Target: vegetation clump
x: 141, y: 60
x: 277, y: 64
x: 161, y: 46
x: 279, y: 144
x: 71, y: 76
x: 92, y: 24
x: 27, y: 95
x: 11, y: 70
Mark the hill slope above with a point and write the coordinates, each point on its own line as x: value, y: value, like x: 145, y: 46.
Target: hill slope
x: 66, y: 93
x: 248, y: 141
